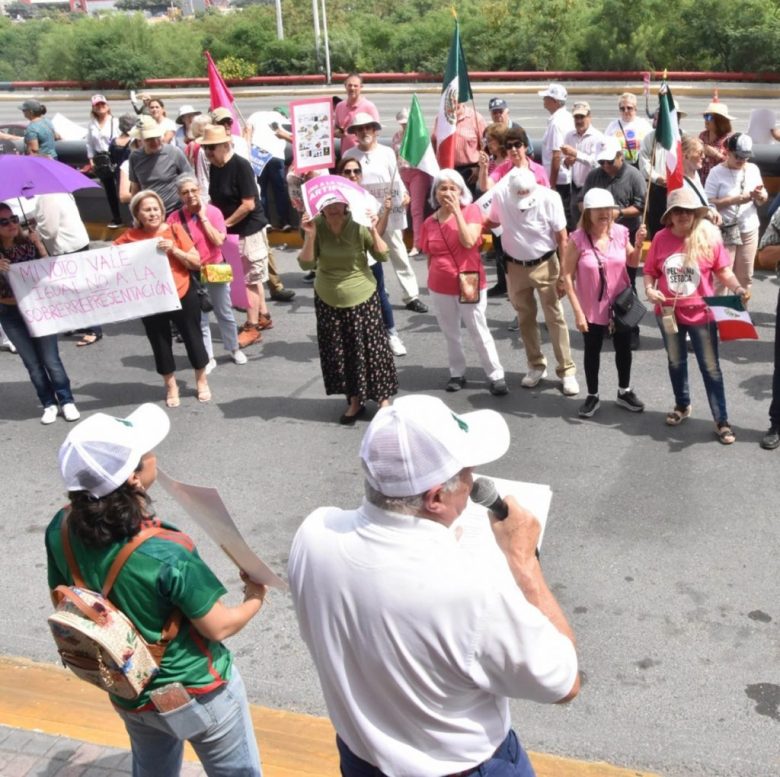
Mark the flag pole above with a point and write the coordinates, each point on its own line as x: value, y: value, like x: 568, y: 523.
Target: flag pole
x: 650, y: 179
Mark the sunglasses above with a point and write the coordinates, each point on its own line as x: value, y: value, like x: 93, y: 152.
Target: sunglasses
x: 680, y: 212
x: 708, y: 116
x: 351, y: 171
x: 514, y: 144
x: 10, y: 220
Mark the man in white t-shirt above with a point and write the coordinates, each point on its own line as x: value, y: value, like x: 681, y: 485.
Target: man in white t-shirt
x: 423, y: 623
x: 533, y: 238
x: 382, y: 179
x: 559, y: 125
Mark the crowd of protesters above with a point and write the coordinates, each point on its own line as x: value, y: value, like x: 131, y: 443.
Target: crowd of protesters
x: 570, y: 226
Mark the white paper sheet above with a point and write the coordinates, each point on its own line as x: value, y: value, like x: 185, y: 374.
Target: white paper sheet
x: 205, y: 506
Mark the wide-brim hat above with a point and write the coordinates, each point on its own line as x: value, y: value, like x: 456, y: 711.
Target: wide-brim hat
x: 720, y: 109
x: 102, y: 451
x: 146, y: 128
x: 685, y: 198
x: 186, y: 110
x: 363, y: 119
x: 418, y: 443
x: 213, y: 135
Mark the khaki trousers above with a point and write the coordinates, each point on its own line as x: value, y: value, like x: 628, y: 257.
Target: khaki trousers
x: 521, y: 284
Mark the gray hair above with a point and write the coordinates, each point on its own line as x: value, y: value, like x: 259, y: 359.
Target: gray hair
x: 186, y: 178
x: 409, y: 505
x: 447, y: 174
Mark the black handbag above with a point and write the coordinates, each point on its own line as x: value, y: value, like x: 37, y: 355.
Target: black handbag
x: 627, y: 310
x: 203, y: 295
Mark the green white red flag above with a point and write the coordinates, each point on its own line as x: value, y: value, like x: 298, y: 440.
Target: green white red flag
x: 455, y: 89
x: 667, y: 134
x: 416, y: 147
x: 732, y: 320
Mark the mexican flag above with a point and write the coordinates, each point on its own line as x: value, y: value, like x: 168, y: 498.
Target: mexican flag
x: 416, y: 147
x: 455, y: 89
x: 667, y: 134
x: 731, y: 317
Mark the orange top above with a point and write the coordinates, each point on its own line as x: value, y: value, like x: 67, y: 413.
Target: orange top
x: 181, y: 275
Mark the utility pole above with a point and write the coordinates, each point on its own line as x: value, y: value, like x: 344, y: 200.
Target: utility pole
x: 315, y: 13
x: 279, y: 27
x: 327, y: 45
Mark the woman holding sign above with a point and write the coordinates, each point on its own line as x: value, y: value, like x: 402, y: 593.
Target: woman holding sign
x: 108, y: 465
x: 355, y: 355
x: 40, y: 355
x: 148, y: 214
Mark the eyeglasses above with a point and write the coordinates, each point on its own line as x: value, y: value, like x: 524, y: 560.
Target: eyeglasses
x: 708, y: 116
x: 514, y: 144
x: 627, y: 107
x: 208, y: 149
x: 351, y: 171
x: 9, y: 220
x: 680, y: 212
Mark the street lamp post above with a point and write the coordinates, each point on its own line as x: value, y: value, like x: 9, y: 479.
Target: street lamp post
x: 327, y: 46
x: 279, y: 26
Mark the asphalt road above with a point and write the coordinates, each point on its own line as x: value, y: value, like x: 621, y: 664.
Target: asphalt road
x: 661, y: 543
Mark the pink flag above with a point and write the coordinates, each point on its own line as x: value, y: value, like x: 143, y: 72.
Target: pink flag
x: 221, y: 96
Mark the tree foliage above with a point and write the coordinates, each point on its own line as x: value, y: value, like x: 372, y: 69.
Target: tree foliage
x: 398, y: 35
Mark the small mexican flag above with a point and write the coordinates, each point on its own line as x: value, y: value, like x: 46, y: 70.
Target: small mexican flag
x: 416, y: 147
x: 455, y: 89
x: 667, y: 133
x: 731, y: 317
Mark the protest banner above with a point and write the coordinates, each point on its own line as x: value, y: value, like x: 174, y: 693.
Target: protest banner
x: 114, y: 283
x: 312, y: 130
x: 326, y: 189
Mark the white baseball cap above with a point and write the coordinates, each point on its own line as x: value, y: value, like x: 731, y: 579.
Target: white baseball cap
x: 556, y: 91
x: 418, y: 443
x: 102, y: 451
x: 522, y: 184
x: 598, y: 198
x: 608, y: 150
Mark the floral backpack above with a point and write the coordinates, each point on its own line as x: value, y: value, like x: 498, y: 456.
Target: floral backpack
x: 95, y: 639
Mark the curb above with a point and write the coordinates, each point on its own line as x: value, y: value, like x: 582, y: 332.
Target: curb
x: 47, y: 698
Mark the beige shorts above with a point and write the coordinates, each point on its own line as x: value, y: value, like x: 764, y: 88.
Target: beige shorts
x: 253, y: 250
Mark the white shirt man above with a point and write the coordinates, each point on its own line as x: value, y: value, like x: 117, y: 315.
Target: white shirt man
x: 533, y: 224
x: 382, y: 179
x: 412, y: 615
x: 579, y: 155
x: 558, y: 125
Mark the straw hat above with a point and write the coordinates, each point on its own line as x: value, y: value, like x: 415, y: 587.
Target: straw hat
x: 213, y: 135
x: 719, y: 108
x: 363, y: 119
x: 683, y: 198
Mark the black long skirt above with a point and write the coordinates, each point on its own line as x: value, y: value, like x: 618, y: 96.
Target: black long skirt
x: 355, y: 355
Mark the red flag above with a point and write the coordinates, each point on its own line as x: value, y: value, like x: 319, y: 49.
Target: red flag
x: 221, y: 96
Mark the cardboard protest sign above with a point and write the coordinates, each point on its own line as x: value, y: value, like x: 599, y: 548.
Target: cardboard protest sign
x: 115, y: 283
x: 312, y: 130
x: 326, y: 189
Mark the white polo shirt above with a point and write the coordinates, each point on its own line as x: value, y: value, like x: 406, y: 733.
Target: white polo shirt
x: 559, y: 125
x: 528, y: 234
x: 586, y: 144
x: 419, y: 636
x: 380, y: 178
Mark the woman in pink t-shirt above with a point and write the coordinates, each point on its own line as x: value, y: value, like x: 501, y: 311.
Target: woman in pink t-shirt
x: 451, y: 238
x: 679, y: 271
x: 594, y: 273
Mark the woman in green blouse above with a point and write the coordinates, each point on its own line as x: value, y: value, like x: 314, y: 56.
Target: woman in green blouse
x: 355, y: 356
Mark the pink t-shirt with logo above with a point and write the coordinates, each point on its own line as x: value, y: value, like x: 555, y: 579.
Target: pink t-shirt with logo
x: 447, y: 256
x: 687, y: 285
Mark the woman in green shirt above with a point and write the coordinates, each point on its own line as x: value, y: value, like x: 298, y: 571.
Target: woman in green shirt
x: 355, y: 356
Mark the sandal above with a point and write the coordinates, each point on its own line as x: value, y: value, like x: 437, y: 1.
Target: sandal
x: 204, y: 395
x: 89, y: 339
x: 172, y: 397
x: 725, y: 434
x: 678, y: 415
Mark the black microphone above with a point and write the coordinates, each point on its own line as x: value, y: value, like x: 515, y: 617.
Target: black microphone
x: 484, y: 492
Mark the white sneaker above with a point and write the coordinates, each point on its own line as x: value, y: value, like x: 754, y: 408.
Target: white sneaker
x: 211, y: 366
x: 570, y: 386
x: 49, y: 414
x: 70, y: 412
x: 239, y: 357
x: 396, y: 346
x: 415, y: 251
x: 7, y: 345
x: 533, y: 377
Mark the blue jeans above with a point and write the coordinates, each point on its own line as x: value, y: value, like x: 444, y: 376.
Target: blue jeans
x: 704, y: 339
x: 219, y: 294
x: 509, y: 760
x: 40, y: 356
x: 384, y: 300
x: 217, y: 725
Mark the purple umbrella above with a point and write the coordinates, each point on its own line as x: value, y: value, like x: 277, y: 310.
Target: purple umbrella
x: 27, y: 176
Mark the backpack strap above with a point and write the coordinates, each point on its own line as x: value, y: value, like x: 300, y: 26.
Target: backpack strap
x: 170, y: 628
